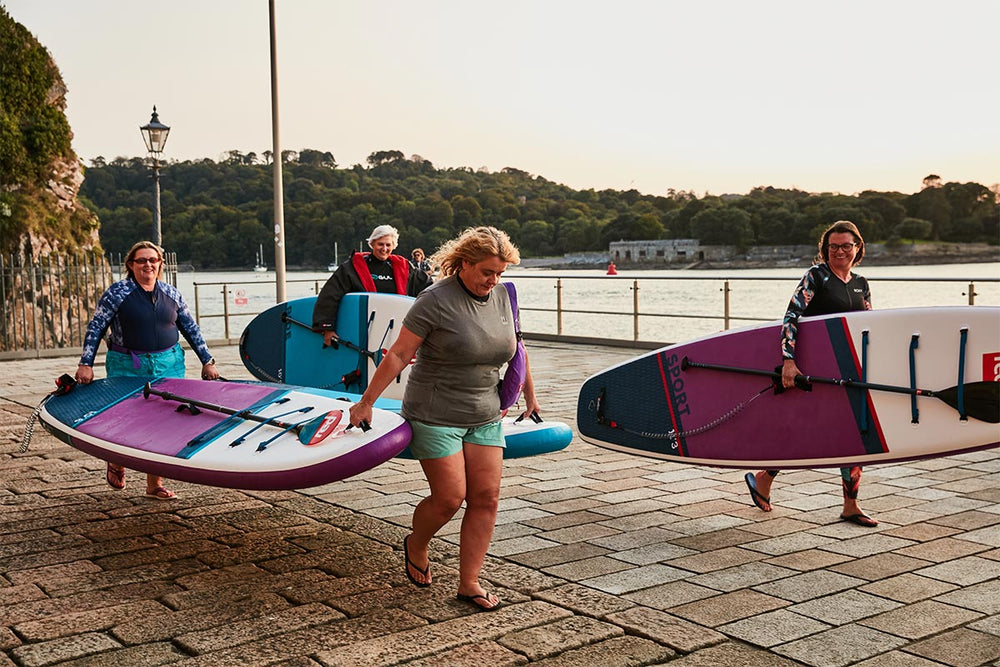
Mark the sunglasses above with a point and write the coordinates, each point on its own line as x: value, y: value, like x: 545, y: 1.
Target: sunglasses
x: 846, y: 247
x: 146, y: 260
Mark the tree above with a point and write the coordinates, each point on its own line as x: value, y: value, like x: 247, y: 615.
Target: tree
x: 914, y: 228
x: 723, y: 226
x: 382, y: 157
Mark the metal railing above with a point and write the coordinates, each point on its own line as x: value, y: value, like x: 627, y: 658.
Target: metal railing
x: 724, y: 312
x: 45, y: 306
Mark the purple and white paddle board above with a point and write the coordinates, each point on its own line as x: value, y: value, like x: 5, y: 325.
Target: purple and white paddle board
x: 116, y: 420
x: 655, y: 406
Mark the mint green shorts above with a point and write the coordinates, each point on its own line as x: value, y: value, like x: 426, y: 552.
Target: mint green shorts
x: 437, y: 442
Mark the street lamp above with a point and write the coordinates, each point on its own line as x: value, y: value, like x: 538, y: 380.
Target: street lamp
x: 154, y: 133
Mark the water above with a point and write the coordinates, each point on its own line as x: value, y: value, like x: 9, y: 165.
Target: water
x: 694, y: 300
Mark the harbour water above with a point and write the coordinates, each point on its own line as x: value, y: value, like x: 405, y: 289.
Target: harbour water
x: 673, y: 305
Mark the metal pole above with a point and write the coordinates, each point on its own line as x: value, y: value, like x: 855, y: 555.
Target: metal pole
x: 279, y: 210
x: 725, y: 307
x: 635, y: 310
x: 157, y: 236
x: 559, y: 321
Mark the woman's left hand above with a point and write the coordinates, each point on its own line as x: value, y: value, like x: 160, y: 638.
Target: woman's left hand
x: 530, y: 405
x: 209, y: 372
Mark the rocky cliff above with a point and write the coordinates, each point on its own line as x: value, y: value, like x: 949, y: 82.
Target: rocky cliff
x: 51, y: 264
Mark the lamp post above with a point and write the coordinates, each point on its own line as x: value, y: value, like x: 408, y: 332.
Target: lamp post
x: 154, y: 133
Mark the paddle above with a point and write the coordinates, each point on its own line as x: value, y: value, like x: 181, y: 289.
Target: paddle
x: 374, y: 356
x: 981, y: 399
x: 309, y: 432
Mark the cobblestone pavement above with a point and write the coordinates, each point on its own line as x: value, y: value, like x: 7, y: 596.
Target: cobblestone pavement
x: 601, y: 559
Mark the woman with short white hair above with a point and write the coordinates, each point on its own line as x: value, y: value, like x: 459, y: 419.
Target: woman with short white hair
x: 375, y: 271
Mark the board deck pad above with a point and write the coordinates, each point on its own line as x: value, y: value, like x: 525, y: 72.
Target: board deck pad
x: 115, y: 420
x: 654, y: 407
x: 278, y: 345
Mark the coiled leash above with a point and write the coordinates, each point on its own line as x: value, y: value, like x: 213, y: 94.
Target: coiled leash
x: 673, y: 436
x: 64, y: 384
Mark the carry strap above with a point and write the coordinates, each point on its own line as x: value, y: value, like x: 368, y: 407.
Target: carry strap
x: 512, y: 293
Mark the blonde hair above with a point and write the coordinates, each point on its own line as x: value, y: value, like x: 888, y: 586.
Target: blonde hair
x: 840, y: 227
x: 473, y: 246
x: 136, y: 248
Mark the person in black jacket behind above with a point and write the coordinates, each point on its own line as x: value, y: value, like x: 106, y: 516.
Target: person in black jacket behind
x: 375, y: 271
x: 828, y: 287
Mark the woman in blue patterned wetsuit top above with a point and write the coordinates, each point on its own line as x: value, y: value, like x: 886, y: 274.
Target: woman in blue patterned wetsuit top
x: 462, y: 331
x: 828, y: 287
x: 142, y: 317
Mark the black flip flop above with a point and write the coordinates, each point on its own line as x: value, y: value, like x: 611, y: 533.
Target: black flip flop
x: 755, y: 495
x: 471, y: 599
x: 410, y: 563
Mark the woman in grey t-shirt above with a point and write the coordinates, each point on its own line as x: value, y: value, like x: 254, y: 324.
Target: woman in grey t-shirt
x: 461, y: 331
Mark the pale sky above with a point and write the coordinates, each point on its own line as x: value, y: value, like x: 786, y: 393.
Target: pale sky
x: 715, y: 96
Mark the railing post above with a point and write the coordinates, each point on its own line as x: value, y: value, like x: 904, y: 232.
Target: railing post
x: 197, y: 309
x: 725, y: 307
x: 972, y: 294
x: 225, y: 307
x: 559, y: 320
x: 635, y: 310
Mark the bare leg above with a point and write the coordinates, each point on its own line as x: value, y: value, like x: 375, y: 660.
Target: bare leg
x: 851, y: 481
x: 483, y: 466
x: 764, y: 479
x: 446, y: 477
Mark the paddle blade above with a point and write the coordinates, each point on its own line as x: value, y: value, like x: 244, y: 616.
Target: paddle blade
x: 316, y: 430
x: 982, y: 400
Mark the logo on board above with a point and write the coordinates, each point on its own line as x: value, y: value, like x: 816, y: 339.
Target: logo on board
x: 991, y: 367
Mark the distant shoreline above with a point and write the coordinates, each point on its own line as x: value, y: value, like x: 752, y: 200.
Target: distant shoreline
x: 877, y: 255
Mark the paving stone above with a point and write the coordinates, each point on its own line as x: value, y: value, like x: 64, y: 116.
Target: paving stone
x: 551, y: 639
x: 989, y: 536
x: 790, y: 543
x: 266, y: 624
x: 840, y: 646
x: 938, y: 551
x: 809, y: 585
x: 431, y: 639
x: 666, y: 629
x: 843, y: 608
x: 907, y: 588
x: 983, y: 597
x: 989, y: 625
x: 963, y: 571
x: 718, y: 559
x: 670, y: 595
x: 743, y: 576
x: 583, y: 600
x: 163, y: 626
x: 617, y: 652
x: 880, y: 566
x: 728, y: 607
x: 897, y: 659
x: 810, y: 559
x: 557, y: 555
x: 483, y: 653
x: 35, y: 609
x: 62, y: 649
x: 921, y: 619
x: 773, y: 628
x: 146, y: 655
x: 731, y: 654
x: 91, y: 620
x: 961, y: 648
x: 635, y: 578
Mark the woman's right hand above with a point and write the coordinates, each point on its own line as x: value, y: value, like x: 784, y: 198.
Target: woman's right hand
x: 84, y: 374
x: 361, y: 412
x: 788, y: 372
